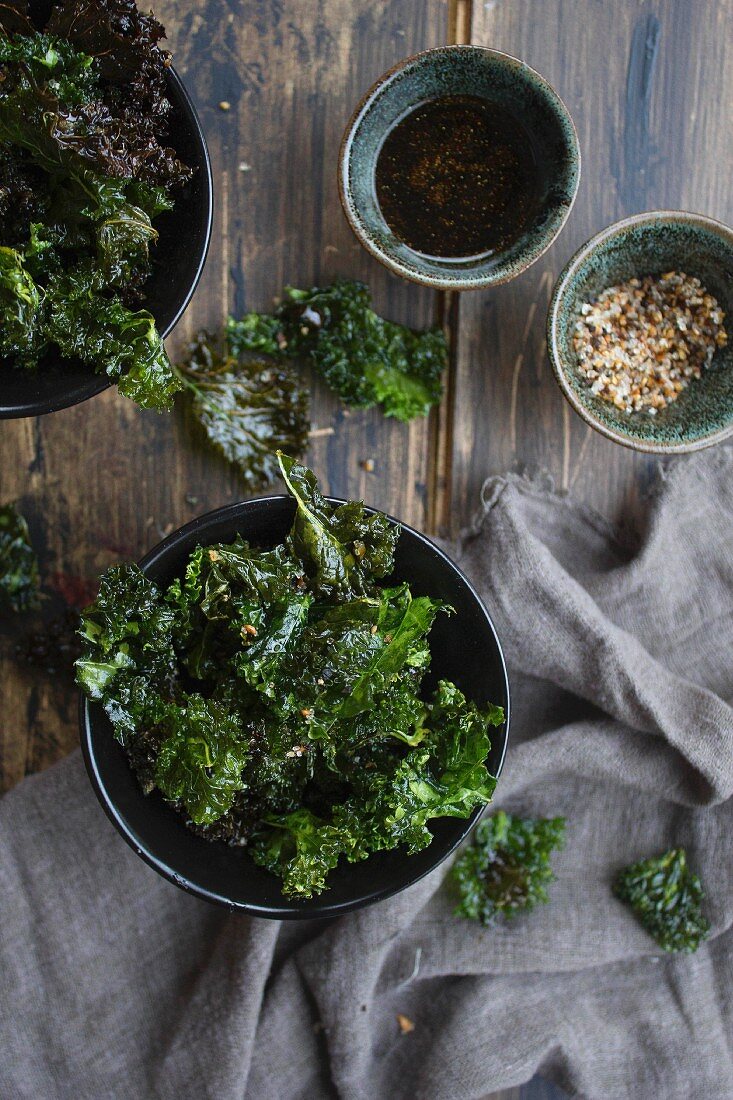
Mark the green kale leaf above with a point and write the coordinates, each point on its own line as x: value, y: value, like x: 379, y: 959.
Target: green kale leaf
x: 667, y: 897
x: 127, y: 650
x: 96, y: 329
x: 19, y: 581
x: 365, y: 359
x: 301, y: 849
x: 20, y: 302
x: 507, y: 868
x: 249, y: 408
x: 200, y: 764
x: 342, y: 547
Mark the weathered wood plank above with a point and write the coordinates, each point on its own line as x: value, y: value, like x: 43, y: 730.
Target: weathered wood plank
x: 104, y: 480
x: 650, y: 87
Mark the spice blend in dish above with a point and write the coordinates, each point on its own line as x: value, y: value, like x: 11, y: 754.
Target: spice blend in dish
x: 273, y: 696
x: 641, y: 343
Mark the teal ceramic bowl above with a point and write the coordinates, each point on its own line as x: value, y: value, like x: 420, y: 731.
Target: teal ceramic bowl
x: 650, y: 244
x: 459, y: 70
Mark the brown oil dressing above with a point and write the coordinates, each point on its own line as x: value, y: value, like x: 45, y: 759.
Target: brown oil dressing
x: 458, y: 177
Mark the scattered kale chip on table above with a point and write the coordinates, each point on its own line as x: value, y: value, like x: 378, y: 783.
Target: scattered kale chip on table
x: 667, y: 898
x: 507, y: 868
x: 248, y: 407
x: 274, y: 695
x: 365, y: 359
x: 19, y: 580
x: 84, y: 172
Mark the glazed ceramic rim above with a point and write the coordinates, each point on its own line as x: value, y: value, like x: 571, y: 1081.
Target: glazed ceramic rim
x: 449, y: 282
x: 318, y: 907
x: 98, y: 383
x: 561, y: 368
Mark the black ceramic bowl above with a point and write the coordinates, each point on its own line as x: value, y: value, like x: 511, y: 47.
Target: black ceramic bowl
x: 177, y: 262
x: 465, y: 649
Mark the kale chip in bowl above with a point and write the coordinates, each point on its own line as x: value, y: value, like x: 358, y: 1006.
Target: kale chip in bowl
x: 105, y: 205
x: 294, y: 706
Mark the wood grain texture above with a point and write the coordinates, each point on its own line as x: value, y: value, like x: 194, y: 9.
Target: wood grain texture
x: 105, y: 481
x: 650, y: 87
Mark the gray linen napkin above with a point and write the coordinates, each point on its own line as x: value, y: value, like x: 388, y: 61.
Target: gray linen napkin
x: 116, y: 984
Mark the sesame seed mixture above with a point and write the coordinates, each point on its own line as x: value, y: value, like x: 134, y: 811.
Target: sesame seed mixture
x: 641, y: 343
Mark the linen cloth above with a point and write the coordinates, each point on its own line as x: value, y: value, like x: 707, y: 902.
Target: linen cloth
x: 114, y: 983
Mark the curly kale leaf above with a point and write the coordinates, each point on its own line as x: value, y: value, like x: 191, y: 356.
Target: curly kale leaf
x: 508, y: 867
x: 365, y: 359
x: 20, y: 302
x: 82, y: 93
x: 200, y: 763
x: 126, y: 632
x: 301, y: 849
x: 249, y: 408
x: 444, y: 776
x: 238, y: 604
x: 667, y: 898
x: 343, y: 548
x: 19, y: 581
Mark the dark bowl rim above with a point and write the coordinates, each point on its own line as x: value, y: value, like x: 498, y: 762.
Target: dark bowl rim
x: 648, y: 219
x: 318, y: 909
x: 98, y: 383
x: 436, y: 282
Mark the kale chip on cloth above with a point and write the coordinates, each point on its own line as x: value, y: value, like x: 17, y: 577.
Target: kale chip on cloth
x: 274, y: 695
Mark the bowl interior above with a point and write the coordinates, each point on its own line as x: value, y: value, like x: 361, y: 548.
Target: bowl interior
x: 685, y: 243
x: 177, y: 262
x: 465, y: 649
x: 506, y: 83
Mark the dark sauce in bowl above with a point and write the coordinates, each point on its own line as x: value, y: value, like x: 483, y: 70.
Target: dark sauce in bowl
x: 459, y: 177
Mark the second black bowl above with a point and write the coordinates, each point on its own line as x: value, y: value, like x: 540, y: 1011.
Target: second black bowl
x: 177, y: 262
x: 464, y: 649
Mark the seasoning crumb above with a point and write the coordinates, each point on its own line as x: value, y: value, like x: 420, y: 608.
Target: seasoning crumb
x: 213, y: 555
x: 640, y: 343
x: 406, y: 1024
x: 367, y: 464
x: 249, y: 631
x: 225, y: 105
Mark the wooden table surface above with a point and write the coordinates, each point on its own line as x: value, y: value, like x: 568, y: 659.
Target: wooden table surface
x: 649, y: 84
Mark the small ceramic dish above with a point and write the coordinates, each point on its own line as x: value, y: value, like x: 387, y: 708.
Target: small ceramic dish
x: 177, y: 261
x: 649, y: 244
x: 506, y: 83
x: 464, y: 648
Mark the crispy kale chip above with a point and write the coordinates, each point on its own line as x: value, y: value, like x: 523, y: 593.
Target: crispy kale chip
x: 274, y: 696
x: 667, y: 898
x: 365, y: 359
x: 83, y: 175
x: 18, y: 563
x: 343, y: 549
x: 248, y: 407
x: 90, y: 90
x: 507, y: 868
